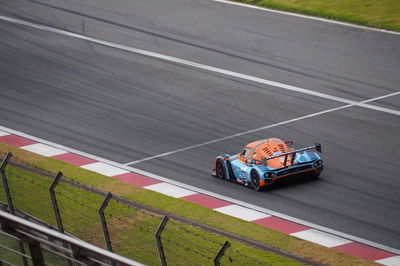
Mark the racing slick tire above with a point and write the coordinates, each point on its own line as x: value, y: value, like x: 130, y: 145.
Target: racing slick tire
x: 255, y: 180
x: 220, y: 169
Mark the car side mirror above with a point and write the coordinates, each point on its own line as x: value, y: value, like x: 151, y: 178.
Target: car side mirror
x: 249, y: 161
x: 318, y: 147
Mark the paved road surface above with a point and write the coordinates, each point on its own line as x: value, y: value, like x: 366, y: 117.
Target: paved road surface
x: 126, y: 107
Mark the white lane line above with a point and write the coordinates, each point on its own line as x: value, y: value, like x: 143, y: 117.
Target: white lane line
x: 43, y: 149
x: 242, y: 212
x: 259, y: 129
x: 305, y: 16
x: 381, y: 97
x: 205, y: 192
x: 379, y: 108
x: 104, y: 169
x: 196, y: 65
x: 321, y: 238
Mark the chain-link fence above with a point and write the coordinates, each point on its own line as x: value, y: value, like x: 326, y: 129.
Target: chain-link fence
x: 111, y: 222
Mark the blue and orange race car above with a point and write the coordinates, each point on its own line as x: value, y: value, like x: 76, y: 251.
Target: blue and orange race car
x: 264, y: 161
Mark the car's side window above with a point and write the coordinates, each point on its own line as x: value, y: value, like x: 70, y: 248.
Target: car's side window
x: 245, y: 152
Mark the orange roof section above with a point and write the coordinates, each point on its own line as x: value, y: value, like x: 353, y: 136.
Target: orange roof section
x: 267, y: 148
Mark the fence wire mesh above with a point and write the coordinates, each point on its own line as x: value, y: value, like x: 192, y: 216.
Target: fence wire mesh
x: 183, y: 243
x: 132, y: 232
x: 30, y: 194
x: 131, y: 229
x: 236, y: 257
x: 83, y: 223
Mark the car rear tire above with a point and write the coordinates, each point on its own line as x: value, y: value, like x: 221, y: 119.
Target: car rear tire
x: 255, y: 180
x: 220, y: 169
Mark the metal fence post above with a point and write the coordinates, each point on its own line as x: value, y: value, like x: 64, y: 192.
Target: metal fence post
x: 54, y: 202
x: 104, y: 223
x: 160, y: 247
x: 36, y: 253
x: 5, y: 183
x: 9, y: 199
x: 221, y: 253
x: 56, y: 209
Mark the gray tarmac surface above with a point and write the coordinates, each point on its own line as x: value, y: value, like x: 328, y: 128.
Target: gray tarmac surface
x: 126, y: 107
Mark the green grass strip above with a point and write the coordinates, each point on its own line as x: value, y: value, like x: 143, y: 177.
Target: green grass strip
x: 383, y: 14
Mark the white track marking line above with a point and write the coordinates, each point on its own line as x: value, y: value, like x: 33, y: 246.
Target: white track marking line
x: 196, y: 65
x: 381, y: 97
x: 205, y: 192
x: 379, y: 108
x: 305, y: 16
x: 259, y: 129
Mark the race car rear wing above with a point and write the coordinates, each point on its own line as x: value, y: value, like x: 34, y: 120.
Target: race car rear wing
x: 317, y: 147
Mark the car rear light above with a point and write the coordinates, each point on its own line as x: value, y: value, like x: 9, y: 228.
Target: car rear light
x: 270, y: 175
x: 317, y: 163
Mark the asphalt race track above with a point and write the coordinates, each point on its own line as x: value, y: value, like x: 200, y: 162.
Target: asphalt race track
x: 127, y: 107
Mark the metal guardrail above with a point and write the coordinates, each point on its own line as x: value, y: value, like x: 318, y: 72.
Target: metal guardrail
x: 40, y: 238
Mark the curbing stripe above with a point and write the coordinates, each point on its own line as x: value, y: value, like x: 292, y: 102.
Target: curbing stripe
x: 242, y: 212
x: 321, y: 238
x: 281, y: 225
x: 170, y: 190
x: 206, y: 201
x: 104, y: 169
x: 392, y: 261
x: 74, y: 159
x: 43, y: 149
x: 363, y: 251
x: 16, y: 141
